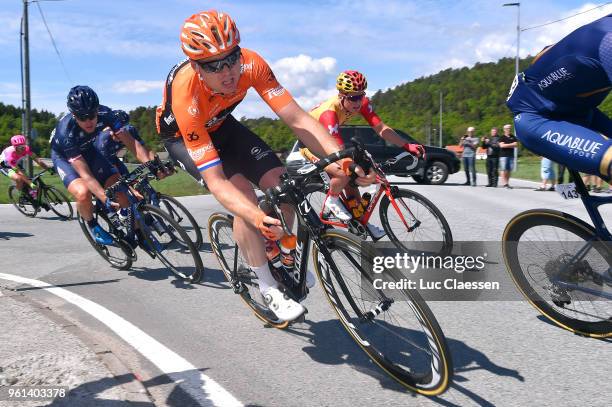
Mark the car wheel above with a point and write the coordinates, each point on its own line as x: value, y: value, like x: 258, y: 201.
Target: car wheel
x: 436, y: 173
x: 418, y: 179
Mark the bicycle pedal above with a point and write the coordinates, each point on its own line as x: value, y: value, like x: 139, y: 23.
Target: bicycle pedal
x: 238, y: 287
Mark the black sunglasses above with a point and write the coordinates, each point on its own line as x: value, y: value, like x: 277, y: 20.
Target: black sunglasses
x: 354, y: 98
x: 217, y: 66
x: 87, y: 116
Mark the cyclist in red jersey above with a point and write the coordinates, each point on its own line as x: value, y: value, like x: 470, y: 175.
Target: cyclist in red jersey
x: 350, y: 101
x: 195, y: 117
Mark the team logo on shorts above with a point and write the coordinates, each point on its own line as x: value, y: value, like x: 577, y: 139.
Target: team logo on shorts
x: 517, y: 118
x: 258, y: 153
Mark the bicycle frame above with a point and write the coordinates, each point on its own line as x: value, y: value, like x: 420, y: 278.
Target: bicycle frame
x: 383, y: 187
x: 592, y: 204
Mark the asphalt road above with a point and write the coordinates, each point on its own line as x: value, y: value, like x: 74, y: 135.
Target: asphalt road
x: 505, y: 354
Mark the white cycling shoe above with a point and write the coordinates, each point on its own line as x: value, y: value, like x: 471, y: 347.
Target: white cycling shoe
x: 375, y: 231
x: 336, y: 207
x: 283, y: 307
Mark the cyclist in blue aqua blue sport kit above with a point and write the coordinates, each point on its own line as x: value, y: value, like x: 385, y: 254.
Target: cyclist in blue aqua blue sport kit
x: 82, y: 168
x: 555, y: 100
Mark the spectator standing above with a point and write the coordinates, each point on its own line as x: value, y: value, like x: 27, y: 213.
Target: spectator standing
x: 507, y: 144
x: 560, y: 175
x: 469, y: 143
x: 491, y: 144
x: 547, y: 173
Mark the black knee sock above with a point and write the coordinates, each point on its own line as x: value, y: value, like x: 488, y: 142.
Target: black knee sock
x: 92, y: 223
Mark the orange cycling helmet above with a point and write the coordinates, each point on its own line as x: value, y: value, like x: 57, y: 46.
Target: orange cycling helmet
x: 351, y: 81
x: 208, y: 34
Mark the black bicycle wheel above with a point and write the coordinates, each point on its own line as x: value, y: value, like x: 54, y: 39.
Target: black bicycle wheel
x: 400, y: 334
x: 183, y: 217
x: 171, y: 244
x: 541, y: 248
x: 23, y: 203
x: 415, y: 219
x: 119, y: 255
x: 58, y: 202
x: 235, y: 268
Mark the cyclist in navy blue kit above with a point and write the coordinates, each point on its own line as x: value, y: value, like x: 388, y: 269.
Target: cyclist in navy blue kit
x: 82, y: 168
x: 555, y: 100
x: 109, y: 143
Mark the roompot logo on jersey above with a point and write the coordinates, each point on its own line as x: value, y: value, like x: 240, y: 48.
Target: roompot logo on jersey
x: 200, y: 152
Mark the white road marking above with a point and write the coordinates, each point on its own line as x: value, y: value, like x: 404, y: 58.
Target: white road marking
x: 202, y: 388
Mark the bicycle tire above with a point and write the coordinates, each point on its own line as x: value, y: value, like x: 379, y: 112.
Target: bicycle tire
x: 178, y: 243
x: 435, y: 373
x: 220, y: 230
x: 432, y: 226
x: 54, y: 198
x: 170, y: 205
x: 18, y: 202
x: 532, y: 289
x: 112, y: 257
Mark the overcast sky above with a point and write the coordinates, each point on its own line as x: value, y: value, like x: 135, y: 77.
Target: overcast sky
x: 124, y: 49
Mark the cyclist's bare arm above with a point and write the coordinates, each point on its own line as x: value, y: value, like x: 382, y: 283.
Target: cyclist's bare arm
x: 40, y: 162
x: 233, y: 199
x: 308, y: 129
x: 389, y: 134
x: 141, y: 153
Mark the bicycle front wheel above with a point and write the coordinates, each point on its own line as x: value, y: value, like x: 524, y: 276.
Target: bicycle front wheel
x: 236, y: 270
x: 173, y: 247
x: 410, y: 218
x: 118, y: 255
x: 22, y: 203
x: 58, y: 202
x: 562, y: 268
x: 183, y: 217
x: 400, y: 334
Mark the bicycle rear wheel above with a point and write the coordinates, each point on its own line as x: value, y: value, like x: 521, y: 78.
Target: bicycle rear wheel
x: 58, y: 202
x: 22, y: 203
x: 562, y: 268
x: 399, y: 334
x: 171, y: 244
x: 236, y: 270
x: 119, y: 255
x: 183, y: 217
x: 412, y: 219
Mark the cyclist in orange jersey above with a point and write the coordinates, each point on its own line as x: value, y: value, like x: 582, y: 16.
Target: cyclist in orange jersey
x: 199, y: 131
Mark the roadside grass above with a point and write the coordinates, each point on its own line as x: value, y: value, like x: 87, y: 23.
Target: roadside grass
x: 179, y: 184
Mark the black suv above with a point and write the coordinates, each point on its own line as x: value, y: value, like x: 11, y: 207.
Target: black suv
x: 438, y: 162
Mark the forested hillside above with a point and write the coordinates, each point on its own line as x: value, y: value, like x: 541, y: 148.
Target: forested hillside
x: 471, y: 97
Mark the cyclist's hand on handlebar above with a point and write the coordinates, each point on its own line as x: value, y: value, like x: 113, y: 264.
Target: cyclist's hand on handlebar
x: 268, y: 226
x: 111, y: 205
x: 415, y: 149
x: 366, y: 180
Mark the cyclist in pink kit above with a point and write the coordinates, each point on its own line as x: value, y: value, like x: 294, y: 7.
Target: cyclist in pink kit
x: 11, y: 157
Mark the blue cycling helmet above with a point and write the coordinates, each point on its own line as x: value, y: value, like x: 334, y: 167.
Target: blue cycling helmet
x: 82, y: 101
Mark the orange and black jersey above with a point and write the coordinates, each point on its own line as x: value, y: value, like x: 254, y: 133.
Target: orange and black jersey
x: 191, y: 110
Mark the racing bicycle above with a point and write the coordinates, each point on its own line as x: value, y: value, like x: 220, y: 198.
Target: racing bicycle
x: 563, y: 265
x: 407, y: 217
x: 400, y: 334
x: 47, y: 198
x: 146, y: 226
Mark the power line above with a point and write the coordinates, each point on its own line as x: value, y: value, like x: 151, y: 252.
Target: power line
x: 561, y: 19
x: 53, y: 41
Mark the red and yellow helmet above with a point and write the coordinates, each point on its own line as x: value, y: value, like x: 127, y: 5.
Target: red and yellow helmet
x: 351, y: 81
x: 208, y: 34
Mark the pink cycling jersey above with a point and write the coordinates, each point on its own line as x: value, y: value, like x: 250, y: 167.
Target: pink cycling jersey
x: 11, y: 158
